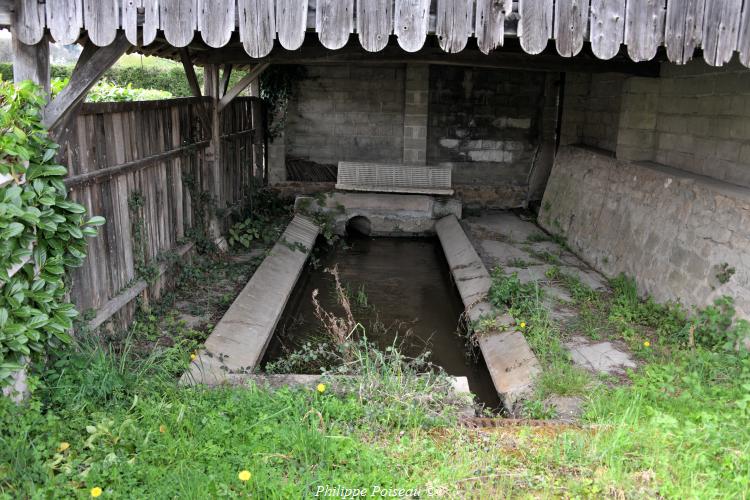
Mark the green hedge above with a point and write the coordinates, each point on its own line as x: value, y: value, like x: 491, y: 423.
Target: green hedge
x: 171, y: 80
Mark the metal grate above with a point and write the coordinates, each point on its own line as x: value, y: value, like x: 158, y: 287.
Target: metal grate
x: 391, y: 178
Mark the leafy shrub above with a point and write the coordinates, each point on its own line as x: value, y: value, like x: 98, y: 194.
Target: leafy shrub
x: 106, y: 91
x: 40, y: 230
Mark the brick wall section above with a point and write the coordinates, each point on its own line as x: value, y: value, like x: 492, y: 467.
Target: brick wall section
x: 638, y: 114
x: 486, y: 124
x: 415, y: 113
x: 591, y: 112
x: 347, y: 112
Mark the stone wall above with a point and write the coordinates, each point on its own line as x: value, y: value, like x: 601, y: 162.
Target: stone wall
x: 591, y: 109
x: 486, y: 124
x: 347, y: 112
x: 670, y: 229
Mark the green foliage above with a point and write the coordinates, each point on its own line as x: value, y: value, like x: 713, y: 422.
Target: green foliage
x: 265, y: 220
x: 276, y: 87
x: 35, y: 213
x: 725, y: 273
x: 106, y: 91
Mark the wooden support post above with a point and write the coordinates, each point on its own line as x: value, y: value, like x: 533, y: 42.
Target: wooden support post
x: 62, y: 131
x: 31, y: 62
x: 82, y: 79
x: 213, y: 152
x: 242, y: 85
x: 187, y: 64
x: 226, y: 74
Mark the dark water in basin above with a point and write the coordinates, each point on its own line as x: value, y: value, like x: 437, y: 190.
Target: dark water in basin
x: 405, y: 280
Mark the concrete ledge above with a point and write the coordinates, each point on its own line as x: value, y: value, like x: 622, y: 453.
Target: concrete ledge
x: 510, y: 361
x: 389, y: 214
x: 241, y: 337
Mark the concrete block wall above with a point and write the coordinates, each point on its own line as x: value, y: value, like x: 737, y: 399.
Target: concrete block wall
x: 486, y: 124
x: 670, y: 229
x: 703, y: 120
x: 415, y: 113
x: 591, y: 109
x: 347, y: 112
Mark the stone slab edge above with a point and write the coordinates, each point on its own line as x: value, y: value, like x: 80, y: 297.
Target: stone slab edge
x: 510, y: 361
x: 240, y: 338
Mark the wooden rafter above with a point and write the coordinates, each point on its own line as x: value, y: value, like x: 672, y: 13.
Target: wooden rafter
x: 226, y: 74
x: 83, y: 78
x: 242, y: 85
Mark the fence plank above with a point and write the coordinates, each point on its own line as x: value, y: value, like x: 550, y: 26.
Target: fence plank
x: 684, y: 29
x: 291, y: 22
x: 571, y: 19
x: 411, y: 23
x: 743, y: 42
x: 257, y: 26
x: 454, y: 27
x: 374, y: 24
x: 720, y: 29
x: 535, y: 24
x: 216, y: 21
x: 607, y: 27
x: 65, y: 19
x: 102, y: 20
x: 29, y: 22
x: 334, y: 22
x: 178, y: 20
x: 490, y: 23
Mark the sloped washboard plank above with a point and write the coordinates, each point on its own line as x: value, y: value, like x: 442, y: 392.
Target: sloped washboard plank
x: 571, y: 18
x: 743, y: 43
x: 683, y: 30
x: 216, y: 21
x: 374, y: 24
x: 644, y: 26
x: 257, y: 26
x: 453, y: 24
x: 720, y: 27
x: 150, y: 20
x: 607, y: 27
x: 64, y: 19
x: 291, y: 20
x: 102, y: 19
x: 535, y: 24
x: 334, y: 21
x: 177, y: 19
x: 29, y: 23
x: 490, y: 23
x: 412, y: 21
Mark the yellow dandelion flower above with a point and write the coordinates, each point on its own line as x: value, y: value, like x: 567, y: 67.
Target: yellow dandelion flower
x: 647, y: 344
x: 96, y: 491
x: 162, y: 428
x: 523, y: 325
x: 63, y: 446
x: 193, y: 356
x: 244, y: 475
x: 321, y: 388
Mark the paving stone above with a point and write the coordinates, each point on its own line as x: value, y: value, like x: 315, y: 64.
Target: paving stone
x: 508, y: 224
x: 600, y: 357
x: 505, y: 254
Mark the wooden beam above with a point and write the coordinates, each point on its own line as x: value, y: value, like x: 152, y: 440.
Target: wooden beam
x: 62, y: 131
x: 31, y: 62
x: 187, y: 65
x: 83, y: 79
x: 226, y: 74
x: 242, y: 85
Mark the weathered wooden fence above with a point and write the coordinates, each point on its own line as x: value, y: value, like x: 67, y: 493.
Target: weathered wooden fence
x: 146, y: 167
